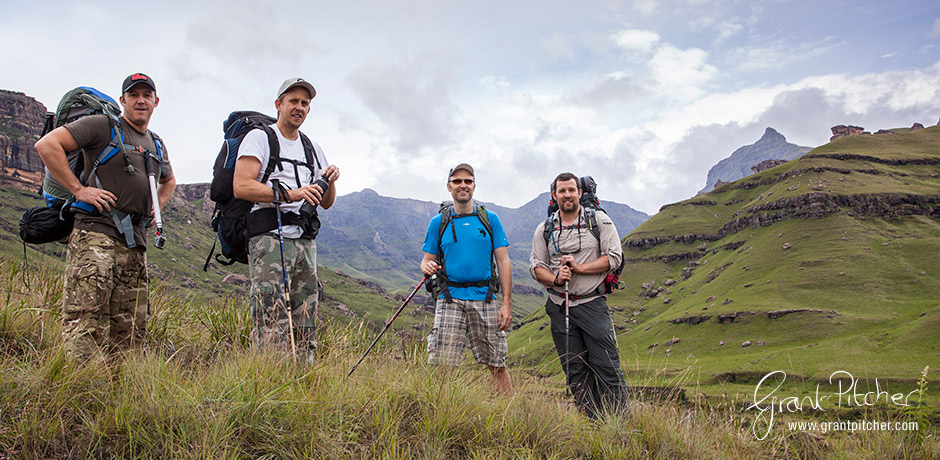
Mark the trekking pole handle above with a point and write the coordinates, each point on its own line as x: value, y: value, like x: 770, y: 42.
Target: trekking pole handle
x: 159, y: 240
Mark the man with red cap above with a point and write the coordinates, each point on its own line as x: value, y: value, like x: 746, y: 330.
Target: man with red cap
x: 106, y: 283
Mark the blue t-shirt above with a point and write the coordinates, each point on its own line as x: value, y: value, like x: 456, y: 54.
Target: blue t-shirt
x: 468, y: 259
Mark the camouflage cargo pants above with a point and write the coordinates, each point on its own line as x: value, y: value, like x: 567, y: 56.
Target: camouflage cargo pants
x: 105, y: 302
x: 269, y: 314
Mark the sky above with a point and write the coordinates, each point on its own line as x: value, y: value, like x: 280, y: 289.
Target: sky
x: 645, y: 96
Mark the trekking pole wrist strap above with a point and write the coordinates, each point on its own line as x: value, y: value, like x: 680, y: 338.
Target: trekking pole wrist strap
x: 280, y: 192
x: 285, y: 193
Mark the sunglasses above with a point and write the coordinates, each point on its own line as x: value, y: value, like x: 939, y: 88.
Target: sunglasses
x: 461, y: 181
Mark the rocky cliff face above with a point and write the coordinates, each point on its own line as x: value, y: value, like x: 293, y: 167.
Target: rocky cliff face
x: 191, y: 193
x: 21, y: 120
x: 771, y: 146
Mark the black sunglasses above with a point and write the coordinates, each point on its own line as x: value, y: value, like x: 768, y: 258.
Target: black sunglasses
x: 461, y: 181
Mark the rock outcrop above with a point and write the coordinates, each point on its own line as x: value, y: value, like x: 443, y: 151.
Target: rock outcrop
x: 843, y: 131
x: 766, y: 164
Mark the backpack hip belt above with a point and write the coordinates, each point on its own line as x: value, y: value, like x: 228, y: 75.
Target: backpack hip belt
x: 598, y: 291
x: 446, y: 284
x: 125, y: 224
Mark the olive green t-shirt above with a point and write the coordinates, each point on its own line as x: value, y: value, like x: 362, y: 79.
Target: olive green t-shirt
x: 132, y: 190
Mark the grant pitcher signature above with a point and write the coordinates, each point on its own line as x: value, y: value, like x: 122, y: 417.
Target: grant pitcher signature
x: 768, y: 404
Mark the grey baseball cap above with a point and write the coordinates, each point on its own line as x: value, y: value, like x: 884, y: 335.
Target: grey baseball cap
x: 462, y: 166
x: 293, y: 83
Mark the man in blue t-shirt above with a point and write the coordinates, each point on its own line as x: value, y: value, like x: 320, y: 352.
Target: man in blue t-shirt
x: 467, y: 306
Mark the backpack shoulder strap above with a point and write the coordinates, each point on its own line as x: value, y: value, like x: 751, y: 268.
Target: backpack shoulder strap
x: 310, y: 152
x: 115, y: 146
x: 447, y: 218
x: 547, y: 228
x: 158, y: 143
x: 590, y: 215
x: 274, y: 153
x: 484, y: 217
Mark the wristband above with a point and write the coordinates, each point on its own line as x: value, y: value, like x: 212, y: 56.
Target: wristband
x: 555, y: 282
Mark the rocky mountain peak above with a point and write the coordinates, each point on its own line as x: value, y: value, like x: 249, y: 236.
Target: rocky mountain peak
x: 771, y: 146
x: 771, y: 136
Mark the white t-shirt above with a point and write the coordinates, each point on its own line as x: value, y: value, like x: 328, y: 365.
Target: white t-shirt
x: 255, y: 144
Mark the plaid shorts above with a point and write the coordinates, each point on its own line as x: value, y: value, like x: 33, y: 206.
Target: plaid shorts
x: 455, y: 322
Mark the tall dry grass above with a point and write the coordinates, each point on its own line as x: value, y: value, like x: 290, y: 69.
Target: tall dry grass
x: 198, y: 390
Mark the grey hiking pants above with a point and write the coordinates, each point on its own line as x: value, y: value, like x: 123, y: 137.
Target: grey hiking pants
x: 593, y: 361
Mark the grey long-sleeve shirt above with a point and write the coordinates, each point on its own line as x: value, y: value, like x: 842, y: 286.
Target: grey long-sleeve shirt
x: 581, y: 244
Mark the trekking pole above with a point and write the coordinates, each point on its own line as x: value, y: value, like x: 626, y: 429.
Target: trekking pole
x: 280, y: 238
x: 567, y: 349
x: 388, y: 324
x: 158, y: 240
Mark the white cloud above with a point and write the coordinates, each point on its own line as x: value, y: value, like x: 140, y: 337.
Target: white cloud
x: 635, y: 40
x: 935, y: 31
x: 412, y: 97
x: 494, y: 81
x: 726, y: 30
x: 646, y: 7
x: 615, y: 89
x: 778, y: 54
x: 681, y: 72
x: 558, y: 46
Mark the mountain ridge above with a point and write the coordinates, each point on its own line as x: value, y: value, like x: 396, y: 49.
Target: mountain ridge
x: 378, y: 238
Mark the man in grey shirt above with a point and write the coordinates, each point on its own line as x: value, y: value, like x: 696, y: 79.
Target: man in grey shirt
x: 569, y: 257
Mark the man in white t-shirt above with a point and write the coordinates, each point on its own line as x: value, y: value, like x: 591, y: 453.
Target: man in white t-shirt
x: 284, y: 278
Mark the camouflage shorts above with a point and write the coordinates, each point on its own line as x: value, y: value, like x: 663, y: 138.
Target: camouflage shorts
x: 270, y: 322
x: 105, y: 302
x: 460, y: 320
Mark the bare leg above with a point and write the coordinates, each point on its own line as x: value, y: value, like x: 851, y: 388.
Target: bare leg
x: 502, y: 379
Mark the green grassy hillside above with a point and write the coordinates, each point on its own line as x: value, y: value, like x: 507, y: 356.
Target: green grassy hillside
x: 822, y: 264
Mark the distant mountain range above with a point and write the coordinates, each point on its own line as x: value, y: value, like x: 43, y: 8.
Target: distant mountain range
x: 378, y: 238
x: 771, y: 146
